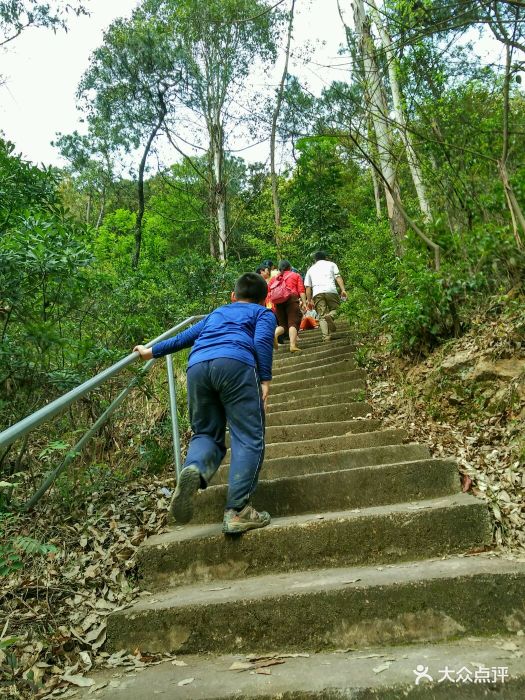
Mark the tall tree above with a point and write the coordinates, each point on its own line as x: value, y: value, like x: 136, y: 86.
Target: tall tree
x: 219, y: 42
x: 273, y: 134
x: 91, y: 163
x: 400, y: 112
x: 378, y: 110
x: 129, y: 85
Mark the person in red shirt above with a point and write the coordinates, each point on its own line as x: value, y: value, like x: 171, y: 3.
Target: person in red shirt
x: 289, y: 313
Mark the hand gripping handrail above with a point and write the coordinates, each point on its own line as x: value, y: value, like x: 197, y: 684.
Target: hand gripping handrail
x: 25, y: 426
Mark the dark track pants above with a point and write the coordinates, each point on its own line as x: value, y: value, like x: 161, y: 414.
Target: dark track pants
x: 224, y: 391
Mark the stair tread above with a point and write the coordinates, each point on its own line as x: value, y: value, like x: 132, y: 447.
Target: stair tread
x: 296, y: 372
x: 339, y: 488
x: 321, y: 440
x: 373, y: 423
x: 195, y: 532
x: 318, y: 581
x: 315, y: 407
x: 327, y: 380
x: 348, y: 452
x: 324, y: 402
x: 327, y: 443
x: 344, y: 673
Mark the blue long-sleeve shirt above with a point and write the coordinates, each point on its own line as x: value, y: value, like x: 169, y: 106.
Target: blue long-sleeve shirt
x: 241, y: 331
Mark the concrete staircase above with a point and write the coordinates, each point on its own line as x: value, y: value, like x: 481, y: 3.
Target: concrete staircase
x: 366, y: 549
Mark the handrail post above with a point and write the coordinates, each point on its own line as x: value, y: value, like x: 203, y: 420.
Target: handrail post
x: 174, y: 416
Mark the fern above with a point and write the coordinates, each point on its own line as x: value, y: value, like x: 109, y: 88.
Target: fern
x: 29, y: 545
x: 14, y: 551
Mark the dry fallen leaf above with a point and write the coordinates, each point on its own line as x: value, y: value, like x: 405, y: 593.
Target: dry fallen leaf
x: 186, y: 681
x: 80, y: 681
x: 240, y: 666
x: 382, y: 667
x: 268, y: 662
x: 218, y: 588
x: 298, y: 655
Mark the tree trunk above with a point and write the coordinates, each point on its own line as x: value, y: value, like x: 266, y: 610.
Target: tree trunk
x: 516, y: 212
x: 378, y: 110
x: 377, y: 193
x: 213, y: 247
x: 219, y: 186
x: 102, y: 209
x: 397, y: 99
x: 275, y: 117
x: 375, y: 180
x: 88, y: 207
x: 140, y: 186
x: 399, y: 206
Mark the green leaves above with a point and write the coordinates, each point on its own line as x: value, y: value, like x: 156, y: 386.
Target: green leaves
x: 18, y: 15
x: 16, y: 550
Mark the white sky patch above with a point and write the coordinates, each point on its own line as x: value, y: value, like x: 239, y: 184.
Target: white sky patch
x: 42, y: 72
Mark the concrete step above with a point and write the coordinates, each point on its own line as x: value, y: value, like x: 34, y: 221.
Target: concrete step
x: 340, y: 379
x: 283, y: 433
x: 316, y: 392
x: 320, y: 492
x: 382, y: 535
x: 426, y: 601
x: 282, y: 360
x: 306, y: 345
x: 277, y: 467
x: 316, y: 342
x: 377, y: 438
x: 308, y: 362
x: 320, y: 414
x: 345, y: 674
x: 389, y: 436
x: 314, y: 399
x: 315, y: 335
x: 321, y: 370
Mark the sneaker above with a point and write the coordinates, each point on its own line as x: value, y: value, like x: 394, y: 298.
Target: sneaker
x: 181, y: 506
x: 247, y: 519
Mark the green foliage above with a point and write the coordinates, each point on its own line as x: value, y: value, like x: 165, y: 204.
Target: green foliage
x: 43, y: 262
x: 419, y: 307
x: 18, y: 15
x: 17, y: 551
x: 316, y: 194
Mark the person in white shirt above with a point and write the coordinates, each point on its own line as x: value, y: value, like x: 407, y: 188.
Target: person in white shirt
x: 321, y: 283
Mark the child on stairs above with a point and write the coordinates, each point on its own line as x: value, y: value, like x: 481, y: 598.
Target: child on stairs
x: 229, y: 375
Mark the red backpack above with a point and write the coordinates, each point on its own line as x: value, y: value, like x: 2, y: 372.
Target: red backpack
x: 278, y: 291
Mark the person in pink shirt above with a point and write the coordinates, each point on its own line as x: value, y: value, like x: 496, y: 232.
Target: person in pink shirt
x: 289, y: 312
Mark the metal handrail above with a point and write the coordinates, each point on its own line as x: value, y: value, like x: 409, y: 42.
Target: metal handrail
x: 26, y: 425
